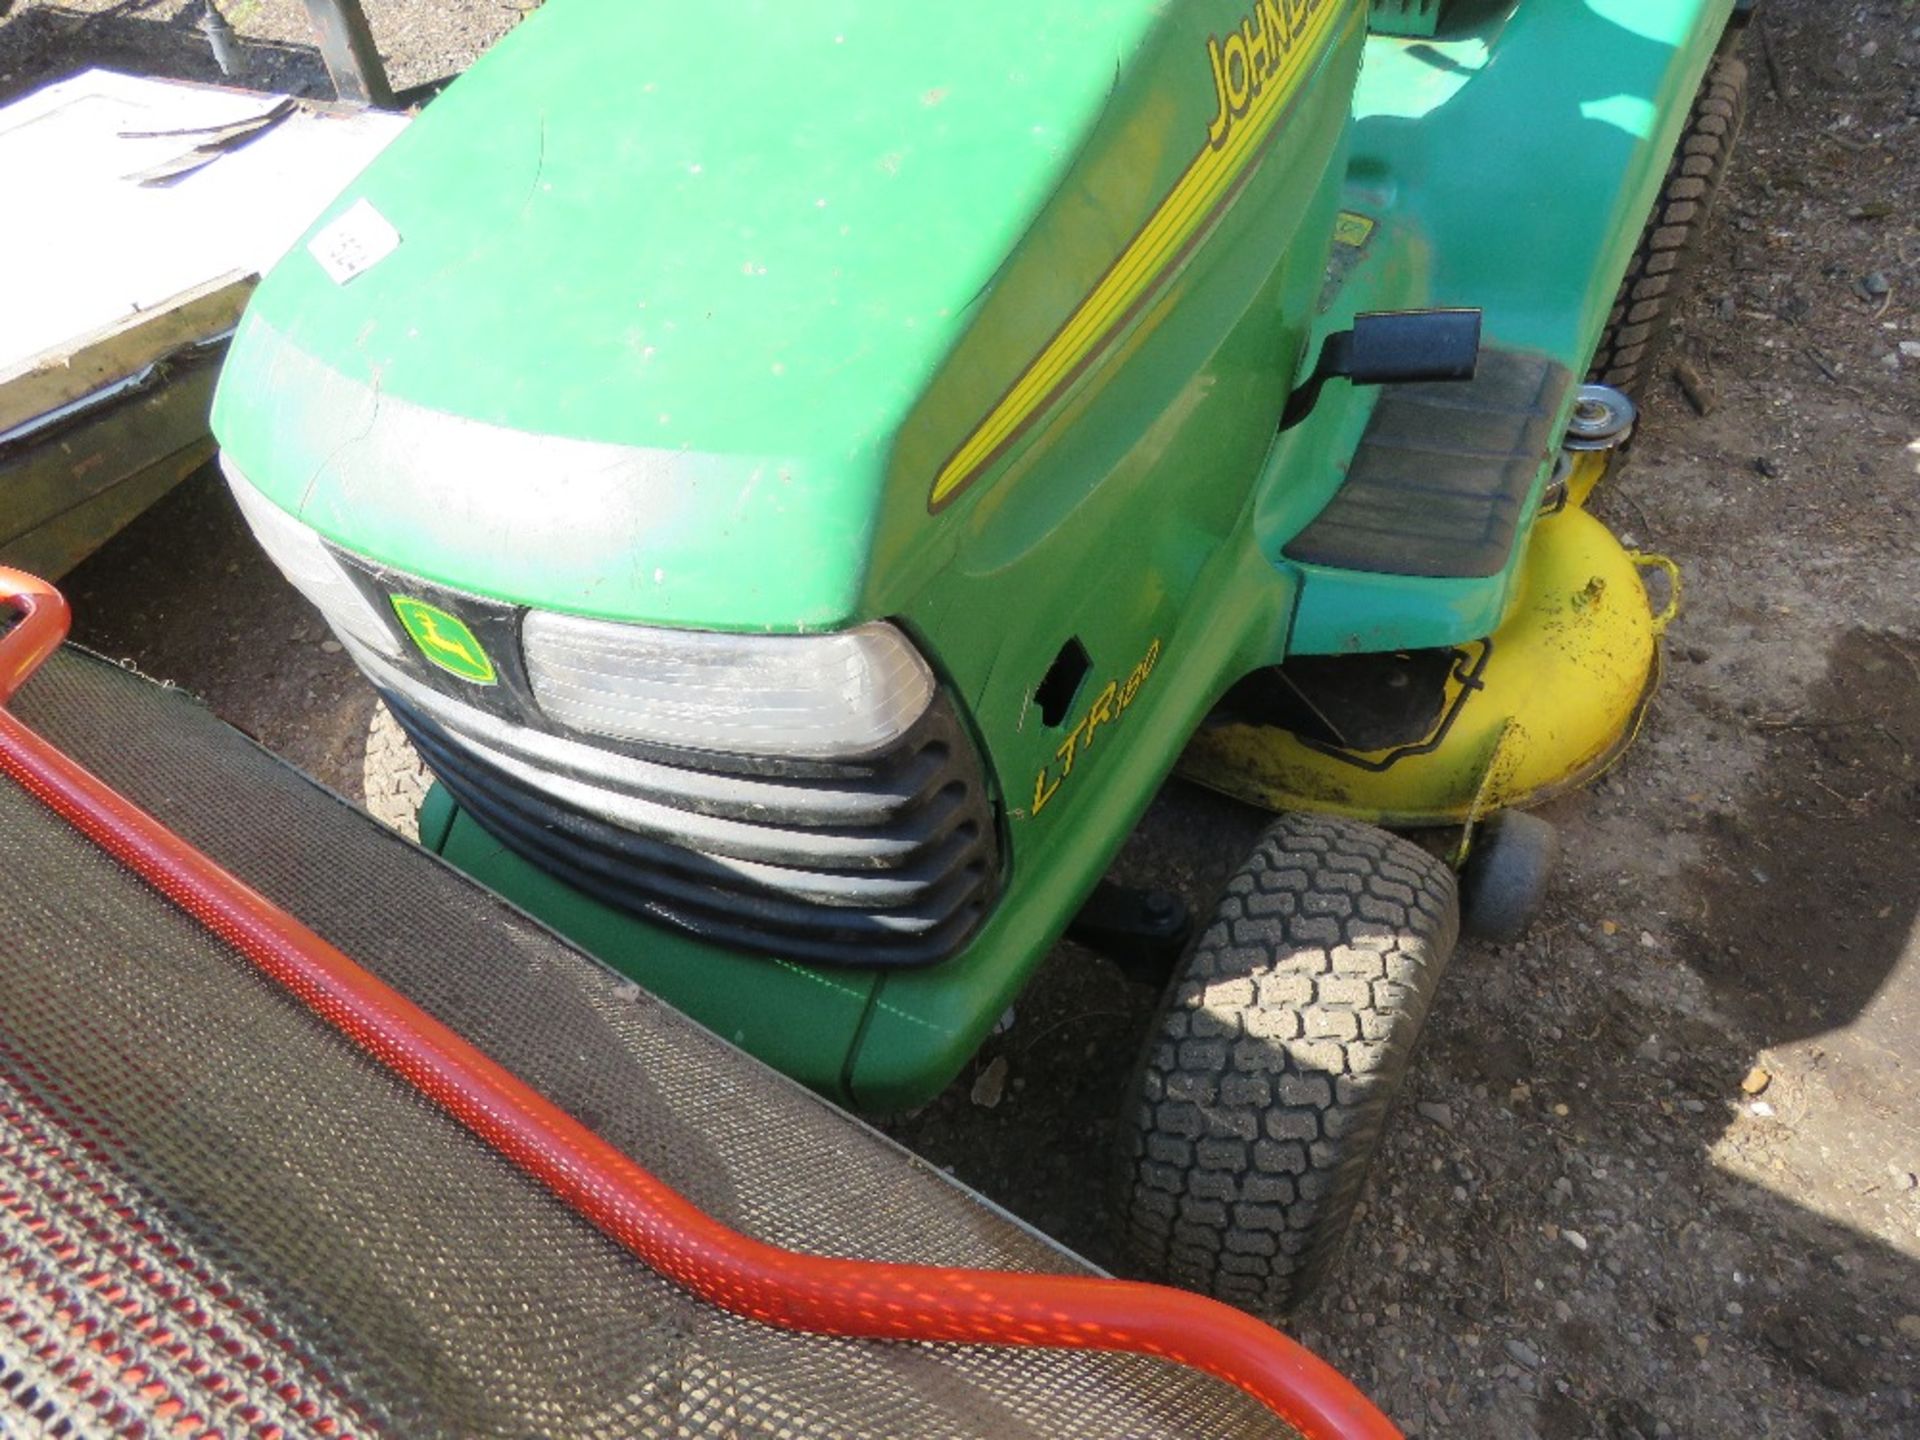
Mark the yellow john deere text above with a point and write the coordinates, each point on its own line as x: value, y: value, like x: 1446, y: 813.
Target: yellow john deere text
x: 1256, y: 70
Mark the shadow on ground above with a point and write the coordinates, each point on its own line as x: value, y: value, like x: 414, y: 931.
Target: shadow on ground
x: 40, y: 44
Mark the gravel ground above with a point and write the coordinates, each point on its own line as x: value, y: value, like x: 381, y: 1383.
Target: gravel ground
x: 419, y: 41
x: 1656, y: 1174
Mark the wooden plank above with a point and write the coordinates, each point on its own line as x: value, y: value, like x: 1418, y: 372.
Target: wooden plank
x: 67, y: 539
x: 80, y: 367
x: 45, y: 482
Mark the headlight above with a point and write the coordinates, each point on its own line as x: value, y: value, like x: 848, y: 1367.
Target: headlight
x: 309, y: 566
x: 818, y: 696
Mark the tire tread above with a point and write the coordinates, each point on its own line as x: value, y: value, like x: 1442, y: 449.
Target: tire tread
x: 1644, y: 311
x: 1265, y: 1083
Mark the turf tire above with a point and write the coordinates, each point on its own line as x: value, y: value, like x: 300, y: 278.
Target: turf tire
x: 394, y: 779
x: 1268, y: 1074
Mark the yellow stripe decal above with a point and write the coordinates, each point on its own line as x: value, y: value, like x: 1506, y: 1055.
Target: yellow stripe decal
x: 1168, y: 233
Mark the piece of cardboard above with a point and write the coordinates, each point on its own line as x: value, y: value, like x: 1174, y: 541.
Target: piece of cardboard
x: 84, y: 246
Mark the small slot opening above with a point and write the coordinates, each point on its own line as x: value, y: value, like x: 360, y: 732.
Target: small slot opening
x: 1062, y: 682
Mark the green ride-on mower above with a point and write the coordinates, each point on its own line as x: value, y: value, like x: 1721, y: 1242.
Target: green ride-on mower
x: 804, y: 474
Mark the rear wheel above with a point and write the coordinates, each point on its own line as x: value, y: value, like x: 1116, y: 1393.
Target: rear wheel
x: 1643, y: 312
x: 1267, y: 1077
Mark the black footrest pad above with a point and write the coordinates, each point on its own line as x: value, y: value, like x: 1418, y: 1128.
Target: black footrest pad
x: 1441, y: 476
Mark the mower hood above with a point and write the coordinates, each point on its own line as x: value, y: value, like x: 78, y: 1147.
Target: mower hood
x: 656, y: 286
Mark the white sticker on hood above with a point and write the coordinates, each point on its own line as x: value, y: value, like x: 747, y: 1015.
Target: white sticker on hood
x: 356, y: 242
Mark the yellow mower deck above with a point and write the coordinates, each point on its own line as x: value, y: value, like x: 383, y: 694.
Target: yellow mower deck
x: 1545, y: 704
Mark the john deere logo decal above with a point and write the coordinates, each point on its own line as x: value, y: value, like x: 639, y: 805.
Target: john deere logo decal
x: 444, y: 639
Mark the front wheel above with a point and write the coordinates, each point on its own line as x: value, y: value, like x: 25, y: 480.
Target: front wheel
x: 394, y: 779
x: 1266, y: 1080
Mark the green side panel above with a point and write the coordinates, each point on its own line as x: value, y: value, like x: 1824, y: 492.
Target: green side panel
x: 1523, y: 196
x: 927, y: 1023
x: 799, y: 1019
x: 1126, y: 523
x: 437, y: 812
x: 1344, y: 612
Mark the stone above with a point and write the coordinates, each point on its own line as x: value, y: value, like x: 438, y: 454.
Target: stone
x: 1522, y: 1353
x: 991, y: 1083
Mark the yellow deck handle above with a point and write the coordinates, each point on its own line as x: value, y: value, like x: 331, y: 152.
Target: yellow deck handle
x: 1650, y: 560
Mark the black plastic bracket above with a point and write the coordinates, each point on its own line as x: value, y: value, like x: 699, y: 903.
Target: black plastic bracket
x: 1141, y: 931
x: 1393, y: 347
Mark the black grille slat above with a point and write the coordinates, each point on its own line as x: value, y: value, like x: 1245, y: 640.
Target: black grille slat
x: 671, y: 892
x: 828, y: 947
x: 860, y: 800
x: 921, y: 827
x: 797, y: 884
x: 874, y: 887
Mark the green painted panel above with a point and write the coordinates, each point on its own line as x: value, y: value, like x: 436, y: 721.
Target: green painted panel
x: 750, y: 237
x: 799, y: 1019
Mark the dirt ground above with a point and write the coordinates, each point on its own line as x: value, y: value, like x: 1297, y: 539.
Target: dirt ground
x: 1659, y: 1170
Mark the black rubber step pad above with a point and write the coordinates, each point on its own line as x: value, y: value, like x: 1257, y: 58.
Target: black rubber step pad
x: 1440, y: 478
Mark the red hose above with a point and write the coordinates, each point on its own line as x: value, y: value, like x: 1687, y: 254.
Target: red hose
x: 857, y: 1298
x: 36, y: 634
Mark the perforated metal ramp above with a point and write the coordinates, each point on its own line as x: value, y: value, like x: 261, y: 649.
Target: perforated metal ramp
x: 1439, y: 481
x: 215, y: 1211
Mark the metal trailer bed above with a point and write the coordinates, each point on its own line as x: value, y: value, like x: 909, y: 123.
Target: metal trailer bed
x: 219, y: 1217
